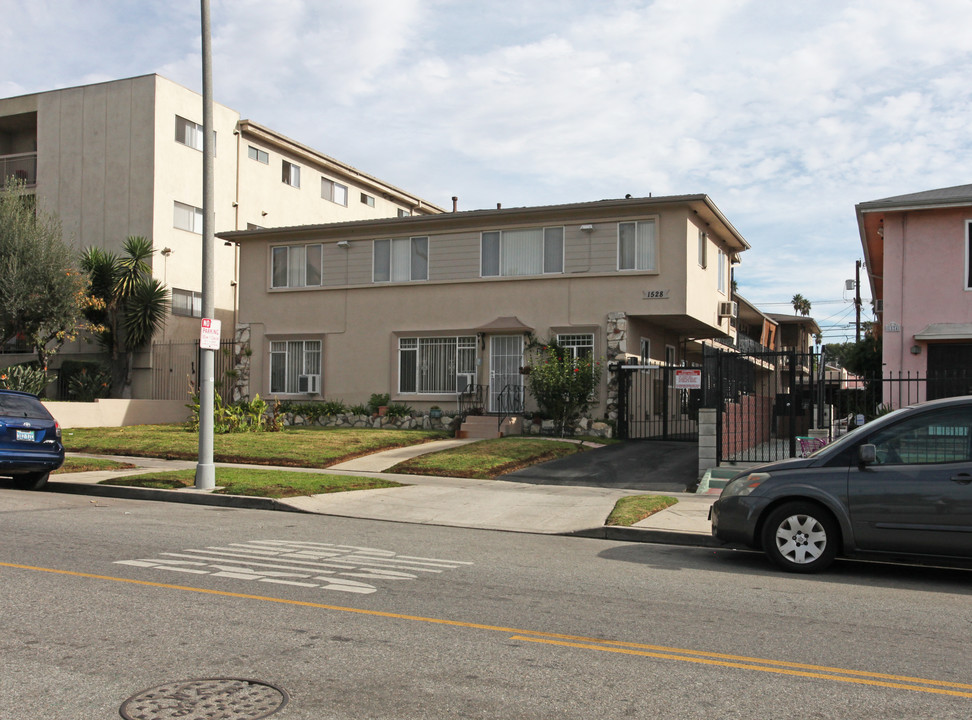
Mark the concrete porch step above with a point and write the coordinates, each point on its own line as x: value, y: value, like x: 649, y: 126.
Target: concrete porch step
x: 486, y: 426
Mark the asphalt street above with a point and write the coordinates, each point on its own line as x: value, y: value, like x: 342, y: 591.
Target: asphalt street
x: 105, y: 597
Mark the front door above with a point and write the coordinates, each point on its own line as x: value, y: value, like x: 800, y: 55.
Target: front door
x: 505, y: 361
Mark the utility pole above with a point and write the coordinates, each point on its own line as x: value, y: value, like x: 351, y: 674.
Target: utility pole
x: 205, y: 468
x: 857, y: 296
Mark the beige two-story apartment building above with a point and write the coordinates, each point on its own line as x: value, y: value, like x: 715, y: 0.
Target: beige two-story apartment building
x: 124, y: 157
x: 422, y: 307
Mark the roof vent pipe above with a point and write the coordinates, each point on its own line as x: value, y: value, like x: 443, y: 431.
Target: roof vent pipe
x: 455, y: 203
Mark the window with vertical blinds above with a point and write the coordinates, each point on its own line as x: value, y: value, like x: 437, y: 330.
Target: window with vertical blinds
x: 637, y: 246
x: 290, y: 360
x: 431, y: 365
x: 530, y: 251
x: 401, y: 259
x: 296, y: 266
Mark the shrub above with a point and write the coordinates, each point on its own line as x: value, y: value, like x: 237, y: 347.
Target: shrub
x: 89, y: 383
x: 378, y: 400
x: 359, y: 410
x: 241, y: 416
x: 562, y: 385
x: 399, y: 410
x: 27, y: 377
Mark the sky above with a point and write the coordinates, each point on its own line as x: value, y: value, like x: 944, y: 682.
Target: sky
x: 786, y: 114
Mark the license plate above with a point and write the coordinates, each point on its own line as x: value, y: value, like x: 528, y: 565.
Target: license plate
x: 25, y: 435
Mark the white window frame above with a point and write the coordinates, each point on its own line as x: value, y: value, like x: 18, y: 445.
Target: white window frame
x: 644, y: 348
x: 404, y: 213
x: 189, y: 303
x: 187, y: 217
x: 289, y: 359
x: 400, y: 259
x: 671, y: 355
x: 577, y: 345
x: 188, y: 133
x: 432, y: 365
x: 255, y: 153
x: 295, y: 266
x: 367, y: 199
x: 334, y: 191
x: 643, y: 255
x: 290, y: 173
x: 723, y: 273
x: 522, y: 252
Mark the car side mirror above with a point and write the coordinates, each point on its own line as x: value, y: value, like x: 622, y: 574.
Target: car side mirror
x: 866, y: 454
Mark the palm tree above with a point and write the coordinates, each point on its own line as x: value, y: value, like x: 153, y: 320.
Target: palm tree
x: 129, y: 304
x: 801, y: 305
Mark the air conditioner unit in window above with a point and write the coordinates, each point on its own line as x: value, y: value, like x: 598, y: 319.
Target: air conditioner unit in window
x: 310, y: 384
x: 879, y: 306
x: 728, y: 309
x: 465, y: 382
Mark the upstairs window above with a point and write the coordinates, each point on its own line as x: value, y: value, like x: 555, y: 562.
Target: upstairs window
x: 723, y: 272
x: 255, y: 153
x: 187, y: 217
x: 367, y: 200
x: 186, y: 302
x: 291, y: 174
x: 531, y: 251
x: 334, y: 191
x: 295, y: 266
x: 188, y: 133
x: 968, y: 255
x: 401, y: 259
x: 637, y: 246
x: 703, y: 249
x: 404, y: 213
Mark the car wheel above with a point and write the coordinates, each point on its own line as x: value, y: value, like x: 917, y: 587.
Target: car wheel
x: 800, y: 537
x: 31, y: 481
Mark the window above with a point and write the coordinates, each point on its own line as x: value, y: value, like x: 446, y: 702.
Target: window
x: 934, y: 437
x: 703, y: 247
x: 968, y: 255
x: 367, y: 200
x: 333, y: 191
x: 435, y: 365
x: 255, y: 153
x: 637, y: 246
x: 291, y: 174
x: 295, y: 366
x: 186, y: 302
x: 670, y: 355
x: 187, y: 217
x: 188, y: 133
x: 294, y: 266
x: 577, y: 346
x: 252, y: 226
x: 531, y: 251
x: 404, y: 213
x: 401, y: 259
x: 722, y: 271
x: 645, y: 351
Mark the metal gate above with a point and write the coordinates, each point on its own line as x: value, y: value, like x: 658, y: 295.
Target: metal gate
x: 764, y: 402
x: 175, y: 369
x: 656, y: 403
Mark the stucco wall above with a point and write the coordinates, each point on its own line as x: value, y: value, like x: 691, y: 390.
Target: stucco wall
x: 117, y: 413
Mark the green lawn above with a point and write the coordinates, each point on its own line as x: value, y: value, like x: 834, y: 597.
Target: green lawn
x: 292, y: 447
x: 73, y: 465
x: 629, y: 510
x: 487, y: 459
x: 256, y: 482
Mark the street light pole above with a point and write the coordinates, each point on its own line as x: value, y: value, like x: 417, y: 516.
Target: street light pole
x: 205, y: 469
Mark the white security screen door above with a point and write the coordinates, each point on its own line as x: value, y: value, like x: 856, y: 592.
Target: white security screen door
x: 505, y: 361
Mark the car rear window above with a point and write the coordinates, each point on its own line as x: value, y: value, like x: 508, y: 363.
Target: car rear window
x: 22, y: 406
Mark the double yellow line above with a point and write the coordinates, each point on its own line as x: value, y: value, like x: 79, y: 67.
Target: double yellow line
x: 741, y: 662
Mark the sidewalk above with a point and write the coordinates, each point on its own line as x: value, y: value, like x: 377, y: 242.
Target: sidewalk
x: 456, y: 502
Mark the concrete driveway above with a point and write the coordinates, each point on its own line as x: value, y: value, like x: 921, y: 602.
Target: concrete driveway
x: 662, y: 466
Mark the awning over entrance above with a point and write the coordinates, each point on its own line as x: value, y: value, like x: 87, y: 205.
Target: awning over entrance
x: 946, y: 331
x: 508, y: 324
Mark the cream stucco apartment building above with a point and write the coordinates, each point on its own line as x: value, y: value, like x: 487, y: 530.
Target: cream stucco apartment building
x: 124, y: 158
x: 421, y: 307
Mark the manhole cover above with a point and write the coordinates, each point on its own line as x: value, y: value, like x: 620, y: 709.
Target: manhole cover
x: 210, y: 699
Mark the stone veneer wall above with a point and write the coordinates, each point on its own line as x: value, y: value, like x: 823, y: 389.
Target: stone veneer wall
x: 616, y: 336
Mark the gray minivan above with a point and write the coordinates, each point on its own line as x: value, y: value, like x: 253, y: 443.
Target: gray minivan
x: 898, y: 485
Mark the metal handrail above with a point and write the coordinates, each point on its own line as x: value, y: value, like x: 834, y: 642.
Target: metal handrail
x: 508, y: 403
x: 471, y: 399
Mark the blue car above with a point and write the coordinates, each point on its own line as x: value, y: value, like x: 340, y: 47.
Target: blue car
x: 30, y: 440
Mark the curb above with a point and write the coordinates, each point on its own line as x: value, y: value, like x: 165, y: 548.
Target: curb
x: 244, y: 502
x: 647, y: 535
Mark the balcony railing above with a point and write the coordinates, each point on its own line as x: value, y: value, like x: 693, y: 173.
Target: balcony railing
x: 22, y: 166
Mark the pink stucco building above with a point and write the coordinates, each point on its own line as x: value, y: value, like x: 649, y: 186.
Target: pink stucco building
x: 919, y: 261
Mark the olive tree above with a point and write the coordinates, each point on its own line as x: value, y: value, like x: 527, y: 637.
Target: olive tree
x: 42, y: 290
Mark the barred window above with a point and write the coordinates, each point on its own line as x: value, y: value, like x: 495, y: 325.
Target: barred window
x: 291, y: 360
x: 432, y: 365
x: 579, y: 346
